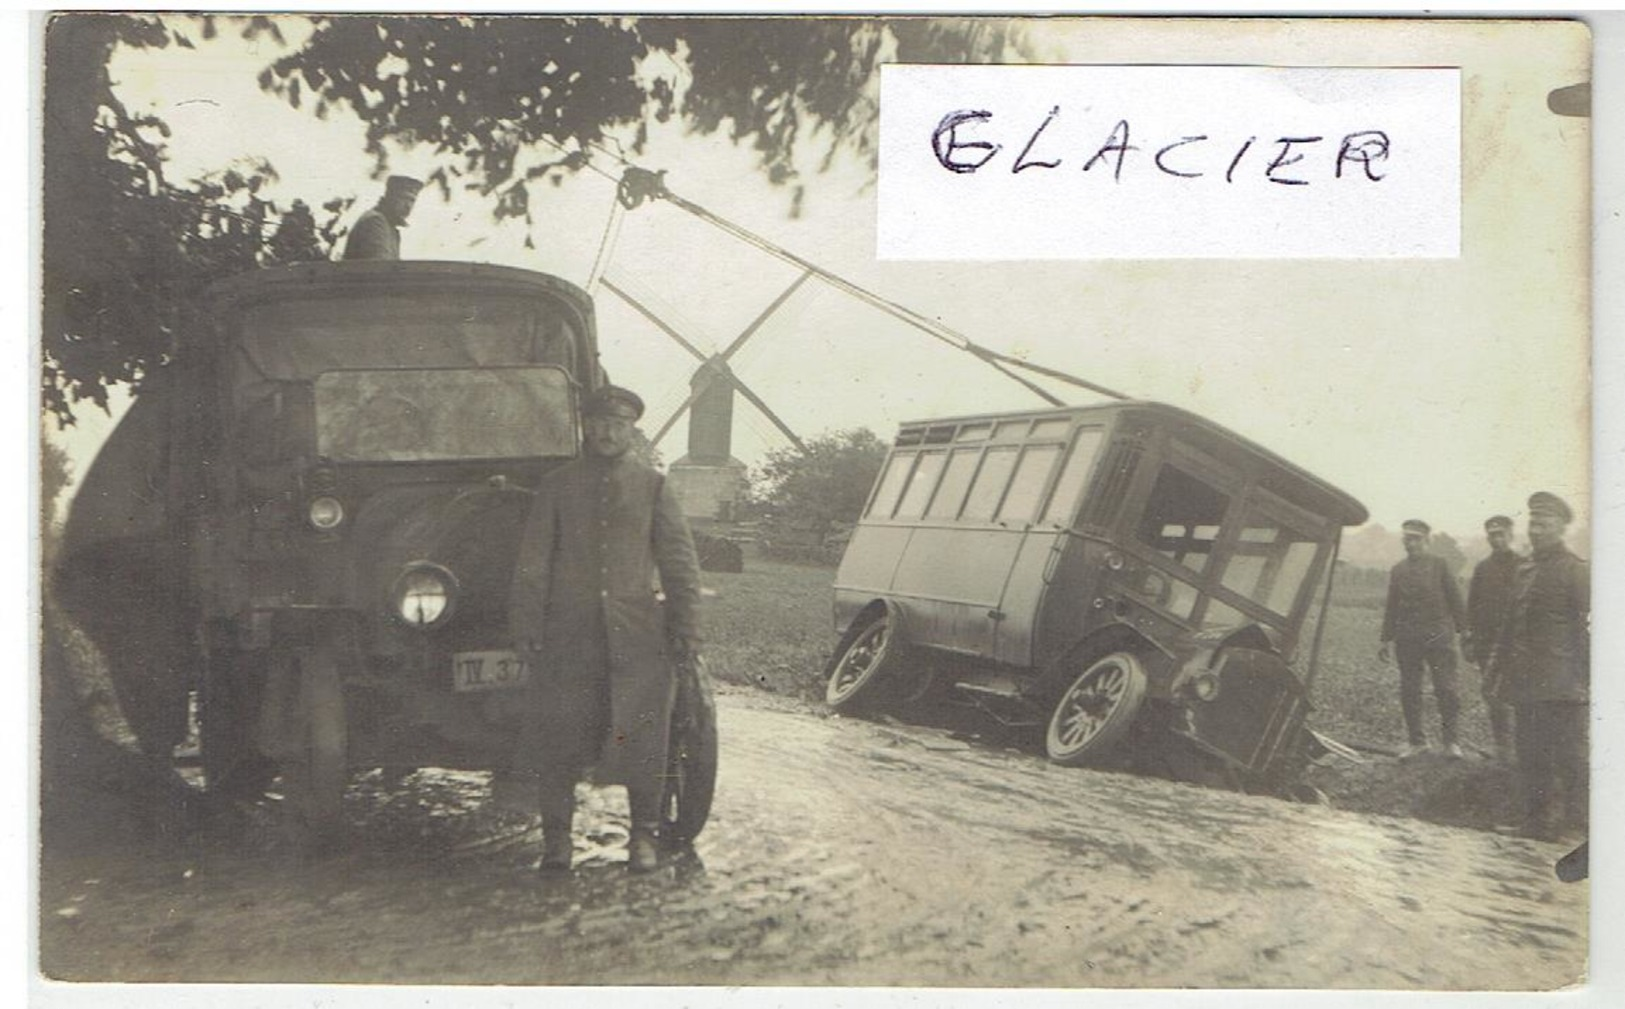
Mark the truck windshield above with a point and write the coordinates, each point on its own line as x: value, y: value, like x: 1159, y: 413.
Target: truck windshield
x: 438, y: 414
x: 291, y: 340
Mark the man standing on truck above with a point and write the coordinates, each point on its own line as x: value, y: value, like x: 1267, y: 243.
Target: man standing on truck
x: 377, y: 233
x: 1489, y: 596
x: 1543, y: 663
x: 1419, y: 624
x: 603, y: 649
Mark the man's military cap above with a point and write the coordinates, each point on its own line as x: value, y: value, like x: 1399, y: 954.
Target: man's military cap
x: 1495, y: 522
x: 402, y: 185
x: 614, y: 401
x: 1546, y: 503
x: 1415, y: 527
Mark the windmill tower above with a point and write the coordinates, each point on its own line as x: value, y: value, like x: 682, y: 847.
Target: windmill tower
x: 709, y: 482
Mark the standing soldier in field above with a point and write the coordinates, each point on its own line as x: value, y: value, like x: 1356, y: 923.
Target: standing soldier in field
x: 1489, y: 597
x: 377, y: 233
x: 1543, y: 663
x: 1419, y: 624
x: 603, y: 648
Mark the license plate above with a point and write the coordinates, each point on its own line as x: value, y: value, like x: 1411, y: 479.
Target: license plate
x: 496, y: 670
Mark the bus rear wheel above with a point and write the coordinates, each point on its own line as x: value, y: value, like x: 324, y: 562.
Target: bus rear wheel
x: 872, y: 668
x: 1095, y: 712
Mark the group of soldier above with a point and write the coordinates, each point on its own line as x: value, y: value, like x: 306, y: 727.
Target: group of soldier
x: 1525, y: 626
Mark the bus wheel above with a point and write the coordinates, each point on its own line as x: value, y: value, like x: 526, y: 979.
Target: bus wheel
x: 870, y: 656
x: 1095, y: 712
x: 316, y: 777
x: 691, y: 761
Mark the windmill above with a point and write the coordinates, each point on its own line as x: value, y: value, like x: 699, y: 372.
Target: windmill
x: 709, y: 482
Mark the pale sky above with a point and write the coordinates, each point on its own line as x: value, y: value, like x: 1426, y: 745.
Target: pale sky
x: 1442, y: 389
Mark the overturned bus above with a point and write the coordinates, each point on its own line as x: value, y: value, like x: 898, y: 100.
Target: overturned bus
x: 307, y: 522
x: 1101, y: 574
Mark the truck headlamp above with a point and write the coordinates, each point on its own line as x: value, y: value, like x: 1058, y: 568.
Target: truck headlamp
x: 424, y: 594
x: 325, y: 513
x: 1205, y: 686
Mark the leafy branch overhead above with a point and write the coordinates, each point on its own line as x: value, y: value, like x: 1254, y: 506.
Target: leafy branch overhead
x: 128, y: 251
x: 485, y: 90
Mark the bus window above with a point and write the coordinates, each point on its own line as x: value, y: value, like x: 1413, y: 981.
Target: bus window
x: 891, y: 485
x: 1220, y: 615
x: 1270, y: 562
x: 1011, y: 430
x: 975, y: 432
x: 920, y: 484
x: 1064, y: 502
x: 955, y: 479
x: 988, y: 487
x: 1182, y: 518
x: 1056, y: 428
x: 1027, y: 488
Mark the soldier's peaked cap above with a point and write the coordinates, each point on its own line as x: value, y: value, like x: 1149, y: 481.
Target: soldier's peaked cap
x: 402, y: 185
x: 612, y: 400
x: 1415, y: 527
x: 1546, y: 503
x: 1495, y: 522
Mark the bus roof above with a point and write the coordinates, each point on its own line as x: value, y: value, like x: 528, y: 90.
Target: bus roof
x: 1330, y: 500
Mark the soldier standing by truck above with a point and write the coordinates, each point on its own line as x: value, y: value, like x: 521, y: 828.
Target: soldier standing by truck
x: 603, y: 648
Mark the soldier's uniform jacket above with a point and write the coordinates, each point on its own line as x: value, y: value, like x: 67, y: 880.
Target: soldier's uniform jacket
x: 374, y: 236
x: 1424, y: 602
x: 1489, y: 598
x: 583, y: 591
x: 1544, y: 651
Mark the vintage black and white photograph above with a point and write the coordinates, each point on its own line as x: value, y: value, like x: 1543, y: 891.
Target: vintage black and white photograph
x: 907, y: 502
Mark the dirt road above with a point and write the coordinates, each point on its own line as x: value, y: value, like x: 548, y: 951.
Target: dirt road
x: 843, y: 852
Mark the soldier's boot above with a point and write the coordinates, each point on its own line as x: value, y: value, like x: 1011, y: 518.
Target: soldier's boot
x: 557, y: 796
x: 643, y: 849
x: 557, y: 844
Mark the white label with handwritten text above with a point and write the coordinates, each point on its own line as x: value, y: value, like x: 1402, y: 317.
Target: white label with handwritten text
x: 1168, y: 162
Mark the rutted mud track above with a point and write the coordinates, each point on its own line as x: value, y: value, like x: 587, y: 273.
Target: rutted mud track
x: 842, y: 852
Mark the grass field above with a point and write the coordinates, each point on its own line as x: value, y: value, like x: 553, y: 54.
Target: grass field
x: 772, y: 627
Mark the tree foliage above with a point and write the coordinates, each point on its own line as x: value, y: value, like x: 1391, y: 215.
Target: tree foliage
x: 485, y: 90
x: 827, y: 484
x: 128, y: 250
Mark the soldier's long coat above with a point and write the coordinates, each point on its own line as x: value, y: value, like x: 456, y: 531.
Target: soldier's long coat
x: 583, y: 594
x: 1544, y: 652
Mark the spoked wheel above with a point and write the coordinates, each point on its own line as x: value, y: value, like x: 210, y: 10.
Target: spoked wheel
x: 872, y: 666
x: 1096, y: 711
x: 691, y: 759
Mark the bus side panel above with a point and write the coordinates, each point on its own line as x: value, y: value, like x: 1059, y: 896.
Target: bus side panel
x: 1065, y: 612
x: 1035, y: 566
x: 953, y: 579
x: 867, y: 568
